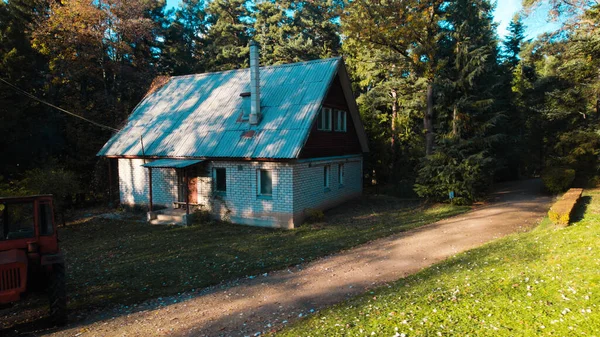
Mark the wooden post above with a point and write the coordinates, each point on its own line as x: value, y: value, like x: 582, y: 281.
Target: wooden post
x: 150, y: 186
x: 186, y: 192
x: 110, y: 197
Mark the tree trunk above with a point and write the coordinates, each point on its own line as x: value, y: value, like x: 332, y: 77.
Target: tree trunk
x: 394, y: 116
x: 455, y: 121
x: 393, y: 127
x: 428, y: 120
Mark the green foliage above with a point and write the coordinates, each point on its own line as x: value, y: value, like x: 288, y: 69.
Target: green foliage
x: 514, y: 41
x: 558, y: 179
x: 201, y: 216
x: 62, y: 184
x: 540, y: 283
x: 313, y: 215
x: 455, y: 166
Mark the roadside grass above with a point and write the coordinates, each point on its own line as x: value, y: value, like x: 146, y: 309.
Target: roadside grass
x: 124, y: 262
x: 544, y: 282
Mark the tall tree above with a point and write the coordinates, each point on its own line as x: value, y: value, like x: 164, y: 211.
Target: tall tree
x: 514, y: 41
x: 102, y: 57
x: 229, y: 35
x: 409, y: 29
x: 184, y: 48
x: 30, y: 132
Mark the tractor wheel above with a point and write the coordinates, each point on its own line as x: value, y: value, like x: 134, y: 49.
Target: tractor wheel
x: 57, y: 294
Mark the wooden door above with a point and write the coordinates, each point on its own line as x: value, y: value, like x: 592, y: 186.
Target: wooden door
x: 192, y: 187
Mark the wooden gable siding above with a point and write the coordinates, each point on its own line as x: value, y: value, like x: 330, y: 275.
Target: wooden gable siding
x: 333, y: 143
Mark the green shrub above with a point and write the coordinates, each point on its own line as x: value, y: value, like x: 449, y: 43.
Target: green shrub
x: 313, y: 215
x: 456, y: 167
x: 62, y: 184
x: 558, y: 179
x: 201, y: 216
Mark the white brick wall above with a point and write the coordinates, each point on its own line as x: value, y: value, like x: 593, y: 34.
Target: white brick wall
x: 133, y: 184
x: 296, y: 187
x: 242, y: 204
x: 309, y: 189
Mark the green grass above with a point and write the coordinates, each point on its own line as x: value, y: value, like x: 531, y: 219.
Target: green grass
x: 545, y: 282
x: 127, y: 262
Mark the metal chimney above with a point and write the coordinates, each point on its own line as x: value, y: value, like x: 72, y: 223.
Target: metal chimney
x: 254, y: 84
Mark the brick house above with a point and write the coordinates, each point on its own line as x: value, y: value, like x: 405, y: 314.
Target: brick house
x: 255, y: 146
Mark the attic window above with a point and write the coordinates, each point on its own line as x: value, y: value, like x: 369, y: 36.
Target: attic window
x: 324, y: 120
x: 339, y: 120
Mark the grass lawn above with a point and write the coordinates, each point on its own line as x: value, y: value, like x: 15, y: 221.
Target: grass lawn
x: 110, y: 261
x: 545, y: 282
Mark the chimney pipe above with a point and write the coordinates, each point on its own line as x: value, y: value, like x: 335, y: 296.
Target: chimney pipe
x: 254, y: 84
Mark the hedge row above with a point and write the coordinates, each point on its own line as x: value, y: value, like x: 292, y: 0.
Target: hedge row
x: 560, y: 212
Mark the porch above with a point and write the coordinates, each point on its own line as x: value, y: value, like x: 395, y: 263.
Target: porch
x: 178, y: 190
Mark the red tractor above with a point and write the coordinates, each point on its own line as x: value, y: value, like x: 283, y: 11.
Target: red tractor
x: 30, y: 259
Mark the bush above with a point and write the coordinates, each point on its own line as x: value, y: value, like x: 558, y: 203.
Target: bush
x: 313, y: 215
x: 558, y: 179
x: 62, y: 184
x: 201, y: 216
x: 455, y: 167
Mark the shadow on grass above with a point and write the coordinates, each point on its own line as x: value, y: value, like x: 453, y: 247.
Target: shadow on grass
x: 580, y: 208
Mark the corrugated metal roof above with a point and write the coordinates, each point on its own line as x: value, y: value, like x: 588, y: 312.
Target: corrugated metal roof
x: 172, y: 163
x: 198, y: 115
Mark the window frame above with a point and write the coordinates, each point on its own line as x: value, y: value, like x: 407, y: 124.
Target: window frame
x: 49, y: 219
x: 340, y: 120
x: 341, y: 174
x: 215, y: 180
x: 259, y: 182
x: 324, y: 119
x: 326, y: 177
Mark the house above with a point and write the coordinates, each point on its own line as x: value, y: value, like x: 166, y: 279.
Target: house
x: 256, y: 146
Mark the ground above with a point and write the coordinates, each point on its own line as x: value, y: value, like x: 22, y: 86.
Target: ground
x: 541, y: 283
x: 118, y: 262
x: 267, y: 302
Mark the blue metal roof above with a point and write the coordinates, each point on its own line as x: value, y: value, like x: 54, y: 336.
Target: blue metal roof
x: 172, y: 163
x: 198, y: 115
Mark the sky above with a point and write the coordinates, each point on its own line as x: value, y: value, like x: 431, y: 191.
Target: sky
x: 535, y: 23
x: 505, y: 10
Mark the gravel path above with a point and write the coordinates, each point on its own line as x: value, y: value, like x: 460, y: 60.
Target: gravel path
x: 253, y: 306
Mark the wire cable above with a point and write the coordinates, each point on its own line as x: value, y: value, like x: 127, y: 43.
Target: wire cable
x: 23, y: 92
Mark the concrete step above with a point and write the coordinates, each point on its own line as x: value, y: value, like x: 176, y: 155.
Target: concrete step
x: 169, y: 217
x: 165, y: 222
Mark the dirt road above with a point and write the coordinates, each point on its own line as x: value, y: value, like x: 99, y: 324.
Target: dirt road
x: 253, y: 306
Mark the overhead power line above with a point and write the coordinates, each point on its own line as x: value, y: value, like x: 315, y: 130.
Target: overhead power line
x: 23, y: 92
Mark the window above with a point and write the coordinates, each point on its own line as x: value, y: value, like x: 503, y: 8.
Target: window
x: 326, y: 170
x: 16, y: 221
x: 45, y: 217
x: 339, y: 118
x: 220, y: 179
x: 265, y: 182
x: 324, y: 120
x: 341, y: 174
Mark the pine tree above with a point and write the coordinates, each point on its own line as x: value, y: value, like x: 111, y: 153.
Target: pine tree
x: 513, y: 42
x: 184, y: 48
x: 229, y: 34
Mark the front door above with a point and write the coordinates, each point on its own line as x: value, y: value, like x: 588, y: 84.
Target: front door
x: 192, y: 187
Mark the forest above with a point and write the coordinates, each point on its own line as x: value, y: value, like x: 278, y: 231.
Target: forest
x: 448, y: 105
